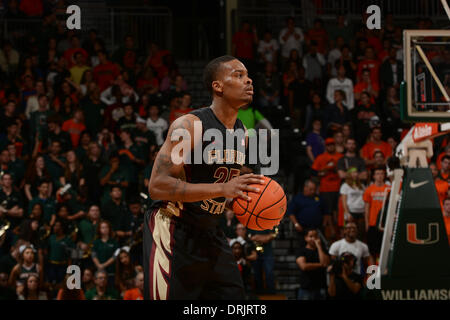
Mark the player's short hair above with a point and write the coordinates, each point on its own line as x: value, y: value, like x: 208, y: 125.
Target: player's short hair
x: 212, y: 69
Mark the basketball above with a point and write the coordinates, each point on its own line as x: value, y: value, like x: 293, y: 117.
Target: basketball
x: 266, y: 209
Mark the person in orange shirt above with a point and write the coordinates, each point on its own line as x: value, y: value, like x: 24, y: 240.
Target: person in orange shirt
x: 375, y: 143
x: 445, y: 169
x: 373, y: 198
x: 366, y: 84
x: 136, y: 293
x: 318, y: 34
x: 441, y: 185
x: 74, y: 127
x: 370, y: 62
x: 446, y: 213
x: 326, y: 166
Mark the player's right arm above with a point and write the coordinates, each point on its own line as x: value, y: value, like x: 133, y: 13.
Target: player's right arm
x: 165, y: 182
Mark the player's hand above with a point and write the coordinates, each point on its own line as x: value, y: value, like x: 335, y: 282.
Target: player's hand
x: 236, y: 187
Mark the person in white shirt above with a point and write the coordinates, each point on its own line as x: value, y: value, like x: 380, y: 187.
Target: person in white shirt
x: 341, y: 82
x: 350, y: 244
x: 352, y: 191
x: 314, y: 63
x: 157, y: 124
x: 33, y: 101
x: 290, y: 38
x: 268, y: 48
x: 335, y: 54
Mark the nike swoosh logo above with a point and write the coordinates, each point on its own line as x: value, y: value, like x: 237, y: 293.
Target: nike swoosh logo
x: 413, y: 185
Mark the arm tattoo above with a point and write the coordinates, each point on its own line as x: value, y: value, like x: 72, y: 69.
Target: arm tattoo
x: 164, y: 163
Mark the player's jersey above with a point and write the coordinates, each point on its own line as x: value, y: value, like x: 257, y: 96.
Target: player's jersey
x: 219, y: 163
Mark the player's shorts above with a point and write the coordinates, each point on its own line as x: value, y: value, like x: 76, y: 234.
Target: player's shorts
x: 184, y: 262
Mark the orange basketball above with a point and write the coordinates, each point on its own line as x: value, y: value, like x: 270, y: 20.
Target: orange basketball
x: 266, y: 209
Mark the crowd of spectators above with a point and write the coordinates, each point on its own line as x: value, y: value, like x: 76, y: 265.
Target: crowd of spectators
x: 80, y: 128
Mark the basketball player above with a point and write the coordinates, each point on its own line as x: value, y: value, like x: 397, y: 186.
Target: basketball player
x: 186, y: 255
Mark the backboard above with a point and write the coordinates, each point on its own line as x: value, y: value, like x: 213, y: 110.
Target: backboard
x: 425, y: 92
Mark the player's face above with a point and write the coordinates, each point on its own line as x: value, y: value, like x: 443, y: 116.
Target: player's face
x: 234, y: 84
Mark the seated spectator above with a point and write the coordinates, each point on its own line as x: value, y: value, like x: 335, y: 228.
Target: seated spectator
x: 336, y: 114
x: 250, y: 253
x: 9, y: 59
x: 375, y: 144
x: 446, y: 212
x: 137, y: 292
x: 237, y: 248
x: 391, y: 71
x: 312, y: 261
x: 113, y: 174
x: 345, y: 284
x: 128, y: 120
x: 299, y: 95
x: 307, y: 210
x: 338, y: 137
x: 351, y: 244
x: 372, y: 64
x: 87, y: 82
x: 228, y: 224
x: 184, y: 107
x: 105, y: 72
x: 57, y: 134
x: 157, y: 124
x: 126, y: 270
x: 351, y: 159
x: 71, y: 53
x: 364, y: 112
x: 26, y: 266
x: 143, y: 137
x: 78, y: 70
x: 242, y: 45
x: 373, y: 198
x: 58, y: 252
x: 442, y: 186
x: 70, y: 294
x: 334, y: 57
x: 12, y: 204
x: 75, y: 126
x: 315, y: 110
x: 6, y: 292
x: 33, y: 100
x: 351, y: 192
x: 102, y: 291
x: 444, y: 172
x: 315, y: 142
x: 114, y: 210
x: 290, y: 74
x: 32, y: 291
x: 173, y: 83
x: 326, y: 167
x: 314, y: 63
x: 87, y: 280
x: 318, y: 34
x: 55, y: 162
x: 14, y: 137
x: 366, y: 85
x: 341, y: 82
x: 148, y: 83
x: 127, y: 54
x: 290, y: 38
x: 48, y: 203
x: 269, y: 88
x: 268, y: 49
x: 93, y: 109
x: 103, y: 249
x: 156, y: 60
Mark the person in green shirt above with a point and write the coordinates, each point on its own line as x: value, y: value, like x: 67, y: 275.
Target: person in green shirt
x: 58, y: 248
x: 48, y: 204
x: 113, y: 174
x: 102, y: 289
x: 252, y: 119
x: 103, y: 249
x: 115, y: 211
x: 93, y: 109
x: 55, y: 162
x: 87, y: 234
x: 132, y: 158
